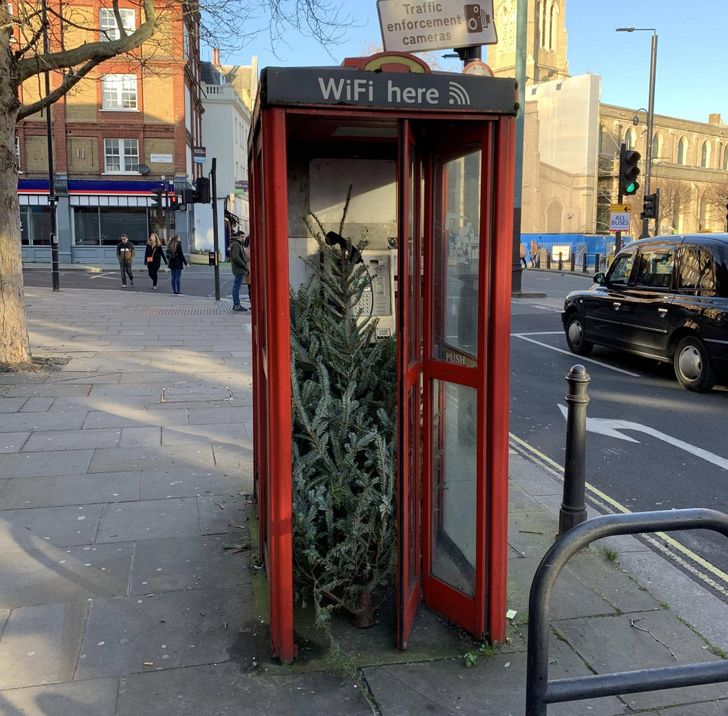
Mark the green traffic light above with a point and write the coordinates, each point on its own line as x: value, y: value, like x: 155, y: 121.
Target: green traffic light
x: 631, y: 188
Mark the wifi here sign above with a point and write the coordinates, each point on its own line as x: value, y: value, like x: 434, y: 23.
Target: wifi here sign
x: 390, y: 90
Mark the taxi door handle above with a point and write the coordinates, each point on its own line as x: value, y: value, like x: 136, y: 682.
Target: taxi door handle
x: 616, y: 305
x: 662, y: 312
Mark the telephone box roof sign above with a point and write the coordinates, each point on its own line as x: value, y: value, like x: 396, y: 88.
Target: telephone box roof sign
x: 420, y: 26
x: 287, y: 86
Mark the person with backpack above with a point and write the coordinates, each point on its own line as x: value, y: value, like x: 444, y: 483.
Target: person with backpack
x: 153, y: 257
x: 176, y: 261
x: 125, y: 256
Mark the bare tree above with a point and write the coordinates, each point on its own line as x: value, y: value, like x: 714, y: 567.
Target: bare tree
x: 25, y: 54
x: 674, y: 198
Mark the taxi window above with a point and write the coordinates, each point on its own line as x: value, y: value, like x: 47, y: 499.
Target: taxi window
x: 697, y: 272
x: 621, y: 269
x: 655, y: 268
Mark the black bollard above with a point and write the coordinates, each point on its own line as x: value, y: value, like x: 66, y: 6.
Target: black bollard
x: 548, y: 260
x: 573, y: 507
x: 584, y: 267
x: 573, y: 261
x: 561, y: 262
x: 597, y: 261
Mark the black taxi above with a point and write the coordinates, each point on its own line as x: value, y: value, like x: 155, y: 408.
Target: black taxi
x: 664, y: 298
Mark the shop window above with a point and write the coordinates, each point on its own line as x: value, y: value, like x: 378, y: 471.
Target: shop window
x: 86, y: 230
x: 115, y: 221
x: 35, y: 225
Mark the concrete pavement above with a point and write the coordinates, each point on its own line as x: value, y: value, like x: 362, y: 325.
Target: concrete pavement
x: 127, y: 584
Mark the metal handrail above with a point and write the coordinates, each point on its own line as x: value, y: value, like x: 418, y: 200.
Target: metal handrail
x: 539, y: 690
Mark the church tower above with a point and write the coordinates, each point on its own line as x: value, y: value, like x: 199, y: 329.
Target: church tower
x: 545, y: 43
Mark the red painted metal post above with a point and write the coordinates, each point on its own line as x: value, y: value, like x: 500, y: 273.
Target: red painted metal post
x: 280, y: 494
x: 499, y: 377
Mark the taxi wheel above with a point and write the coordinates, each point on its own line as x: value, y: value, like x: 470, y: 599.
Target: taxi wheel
x: 692, y: 365
x: 575, y: 336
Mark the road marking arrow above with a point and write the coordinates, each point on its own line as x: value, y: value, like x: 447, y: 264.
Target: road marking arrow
x: 611, y: 428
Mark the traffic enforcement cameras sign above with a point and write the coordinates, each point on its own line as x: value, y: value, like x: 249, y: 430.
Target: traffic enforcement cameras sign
x: 435, y: 24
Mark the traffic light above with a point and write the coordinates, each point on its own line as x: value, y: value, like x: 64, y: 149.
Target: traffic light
x: 202, y: 189
x: 173, y: 202
x: 651, y: 206
x: 628, y: 171
x: 157, y: 199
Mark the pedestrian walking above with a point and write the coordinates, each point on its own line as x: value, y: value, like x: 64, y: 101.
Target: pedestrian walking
x: 240, y: 267
x: 153, y: 257
x: 534, y: 253
x: 523, y: 254
x: 247, y: 278
x: 176, y: 261
x: 125, y: 255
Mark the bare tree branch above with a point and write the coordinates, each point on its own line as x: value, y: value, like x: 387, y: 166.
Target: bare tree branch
x: 90, y: 51
x: 117, y: 15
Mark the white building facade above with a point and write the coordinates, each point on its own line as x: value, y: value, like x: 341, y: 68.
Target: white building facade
x: 225, y: 129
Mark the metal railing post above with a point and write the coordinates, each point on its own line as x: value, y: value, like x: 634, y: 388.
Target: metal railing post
x: 597, y: 262
x: 586, y: 259
x: 573, y: 506
x: 573, y: 261
x: 561, y: 262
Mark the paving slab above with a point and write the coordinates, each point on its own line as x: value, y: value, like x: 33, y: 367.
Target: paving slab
x: 222, y: 690
x: 59, y: 526
x: 496, y: 685
x: 86, y: 489
x: 40, y: 645
x: 149, y: 519
x: 42, y: 464
x: 54, y: 420
x: 37, y: 405
x: 571, y: 597
x: 710, y: 708
x: 228, y: 456
x: 190, y: 482
x: 220, y: 514
x: 44, y: 574
x: 134, y: 417
x: 12, y: 442
x: 93, y: 377
x: 111, y: 459
x: 129, y: 635
x: 93, y: 697
x: 147, y: 436
x: 45, y: 390
x: 166, y: 565
x: 205, y: 416
x: 72, y: 439
x: 11, y: 405
x: 610, y: 644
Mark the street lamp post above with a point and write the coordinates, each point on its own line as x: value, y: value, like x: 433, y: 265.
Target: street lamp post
x: 650, y: 112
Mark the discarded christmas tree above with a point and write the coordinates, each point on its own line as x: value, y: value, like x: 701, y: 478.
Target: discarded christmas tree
x: 344, y: 388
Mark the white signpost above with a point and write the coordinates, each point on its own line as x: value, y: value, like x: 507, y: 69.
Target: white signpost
x: 619, y: 217
x: 435, y: 24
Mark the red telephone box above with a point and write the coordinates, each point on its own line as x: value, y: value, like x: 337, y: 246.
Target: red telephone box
x: 448, y: 140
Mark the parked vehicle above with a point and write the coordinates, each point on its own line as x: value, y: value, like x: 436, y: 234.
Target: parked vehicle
x: 664, y: 298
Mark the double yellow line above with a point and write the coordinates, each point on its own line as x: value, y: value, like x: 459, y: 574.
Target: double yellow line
x: 693, y: 563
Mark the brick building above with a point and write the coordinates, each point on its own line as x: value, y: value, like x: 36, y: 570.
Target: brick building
x: 118, y: 135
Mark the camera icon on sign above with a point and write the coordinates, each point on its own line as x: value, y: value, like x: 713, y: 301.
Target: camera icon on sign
x: 474, y: 18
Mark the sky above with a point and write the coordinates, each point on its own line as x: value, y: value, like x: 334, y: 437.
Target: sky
x: 692, y: 51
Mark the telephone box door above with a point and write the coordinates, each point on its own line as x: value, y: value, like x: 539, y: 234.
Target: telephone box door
x: 409, y: 359
x: 454, y: 184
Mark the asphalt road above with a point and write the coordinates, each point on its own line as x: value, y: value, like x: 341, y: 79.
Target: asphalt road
x: 197, y: 280
x: 655, y: 463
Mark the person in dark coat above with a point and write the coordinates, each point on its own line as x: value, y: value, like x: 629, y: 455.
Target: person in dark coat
x: 125, y: 255
x: 176, y: 261
x: 239, y: 264
x: 153, y: 257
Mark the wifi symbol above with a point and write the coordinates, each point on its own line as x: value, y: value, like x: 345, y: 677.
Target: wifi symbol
x: 458, y: 94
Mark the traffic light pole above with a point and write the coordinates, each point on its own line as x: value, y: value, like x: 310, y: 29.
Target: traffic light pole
x: 52, y: 198
x: 620, y: 199
x: 215, y: 233
x: 650, y: 126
